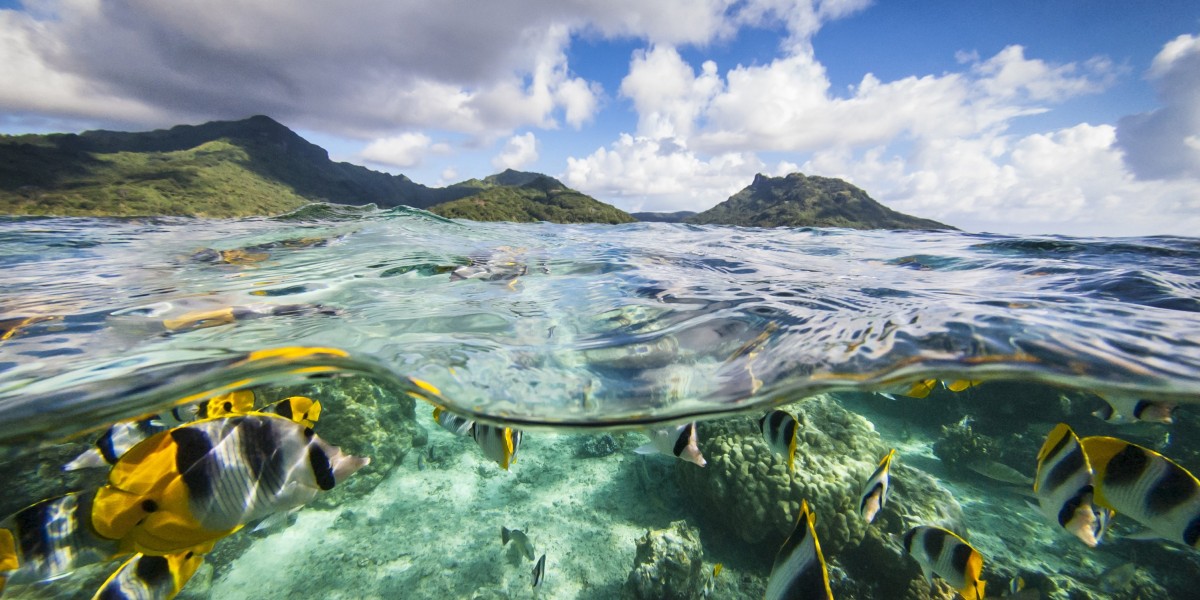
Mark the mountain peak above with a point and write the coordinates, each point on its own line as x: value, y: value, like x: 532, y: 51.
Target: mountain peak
x: 797, y: 200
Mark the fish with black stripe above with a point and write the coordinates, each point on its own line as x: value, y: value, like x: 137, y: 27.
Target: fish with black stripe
x: 875, y: 493
x: 452, y: 422
x: 1121, y: 409
x: 498, y: 443
x: 121, y: 436
x: 148, y: 577
x: 1147, y: 487
x: 301, y: 409
x: 51, y: 538
x: 679, y: 441
x: 202, y: 481
x: 780, y: 430
x: 941, y: 552
x: 539, y: 571
x: 799, y: 572
x: 1063, y: 484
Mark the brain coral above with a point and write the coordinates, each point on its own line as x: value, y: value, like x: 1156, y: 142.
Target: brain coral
x: 746, y: 489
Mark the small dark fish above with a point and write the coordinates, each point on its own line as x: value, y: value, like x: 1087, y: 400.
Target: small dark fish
x: 539, y: 571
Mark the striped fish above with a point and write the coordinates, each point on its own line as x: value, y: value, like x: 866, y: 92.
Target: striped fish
x: 301, y: 409
x: 799, y: 572
x: 875, y: 493
x: 779, y: 429
x: 940, y: 552
x: 452, y: 422
x: 539, y: 571
x: 120, y: 437
x: 1147, y: 487
x: 146, y: 577
x: 679, y: 441
x: 202, y: 481
x: 50, y: 539
x: 1119, y: 409
x: 1063, y: 484
x: 498, y: 443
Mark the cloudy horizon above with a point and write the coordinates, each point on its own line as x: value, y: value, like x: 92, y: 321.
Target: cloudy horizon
x: 1026, y: 118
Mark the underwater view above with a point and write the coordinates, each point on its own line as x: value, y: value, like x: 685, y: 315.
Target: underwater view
x: 347, y: 402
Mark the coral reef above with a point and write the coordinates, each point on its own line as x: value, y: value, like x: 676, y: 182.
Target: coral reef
x: 747, y: 489
x: 668, y: 565
x: 596, y: 446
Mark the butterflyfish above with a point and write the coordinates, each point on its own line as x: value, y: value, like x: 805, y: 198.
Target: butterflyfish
x: 539, y: 571
x: 1063, y: 484
x: 679, y: 441
x: 1147, y: 487
x: 943, y: 553
x: 301, y: 409
x: 498, y: 443
x: 1120, y: 409
x: 50, y: 539
x: 147, y: 577
x: 452, y: 422
x: 799, y: 572
x: 780, y: 429
x: 238, y: 402
x: 202, y: 481
x: 875, y: 493
x: 114, y: 443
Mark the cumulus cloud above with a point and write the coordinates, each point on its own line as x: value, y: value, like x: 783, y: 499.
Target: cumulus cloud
x: 699, y: 133
x: 639, y: 172
x: 404, y: 150
x: 1165, y: 143
x: 520, y: 151
x: 1068, y: 181
x: 361, y: 69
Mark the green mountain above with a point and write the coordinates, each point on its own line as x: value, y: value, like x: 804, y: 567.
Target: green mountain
x: 225, y: 168
x: 663, y: 217
x: 801, y: 201
x: 528, y: 197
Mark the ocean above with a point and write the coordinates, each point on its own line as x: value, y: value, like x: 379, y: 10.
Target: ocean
x: 586, y: 343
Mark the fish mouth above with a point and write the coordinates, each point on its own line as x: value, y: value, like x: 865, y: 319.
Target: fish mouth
x: 344, y: 465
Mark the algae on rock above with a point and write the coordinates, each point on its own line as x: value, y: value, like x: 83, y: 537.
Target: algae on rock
x: 668, y: 565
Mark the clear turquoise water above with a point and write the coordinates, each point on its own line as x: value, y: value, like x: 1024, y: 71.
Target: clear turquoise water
x: 565, y: 330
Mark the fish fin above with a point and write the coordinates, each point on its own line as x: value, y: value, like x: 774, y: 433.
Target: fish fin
x: 1142, y: 534
x: 8, y: 554
x: 92, y: 457
x: 973, y: 590
x: 142, y: 467
x: 887, y: 395
x: 504, y: 535
x: 792, y: 453
x: 646, y: 449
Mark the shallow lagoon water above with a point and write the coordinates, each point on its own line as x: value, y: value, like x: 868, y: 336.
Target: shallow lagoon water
x: 575, y: 332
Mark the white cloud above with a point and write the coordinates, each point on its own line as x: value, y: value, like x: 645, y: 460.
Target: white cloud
x: 1160, y: 144
x: 404, y: 150
x: 636, y: 173
x: 667, y: 93
x: 520, y: 151
x: 1070, y: 181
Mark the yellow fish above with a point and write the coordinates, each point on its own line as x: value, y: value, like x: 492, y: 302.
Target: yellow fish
x: 202, y: 481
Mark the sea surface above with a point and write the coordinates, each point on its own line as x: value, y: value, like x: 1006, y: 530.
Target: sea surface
x: 584, y: 338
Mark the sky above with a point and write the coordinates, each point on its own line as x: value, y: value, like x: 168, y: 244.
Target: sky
x: 1026, y: 117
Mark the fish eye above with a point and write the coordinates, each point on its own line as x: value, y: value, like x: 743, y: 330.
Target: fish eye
x: 149, y: 505
x: 308, y: 432
x: 188, y: 555
x: 228, y: 407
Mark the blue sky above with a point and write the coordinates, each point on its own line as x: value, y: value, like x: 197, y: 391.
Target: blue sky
x: 1018, y: 117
